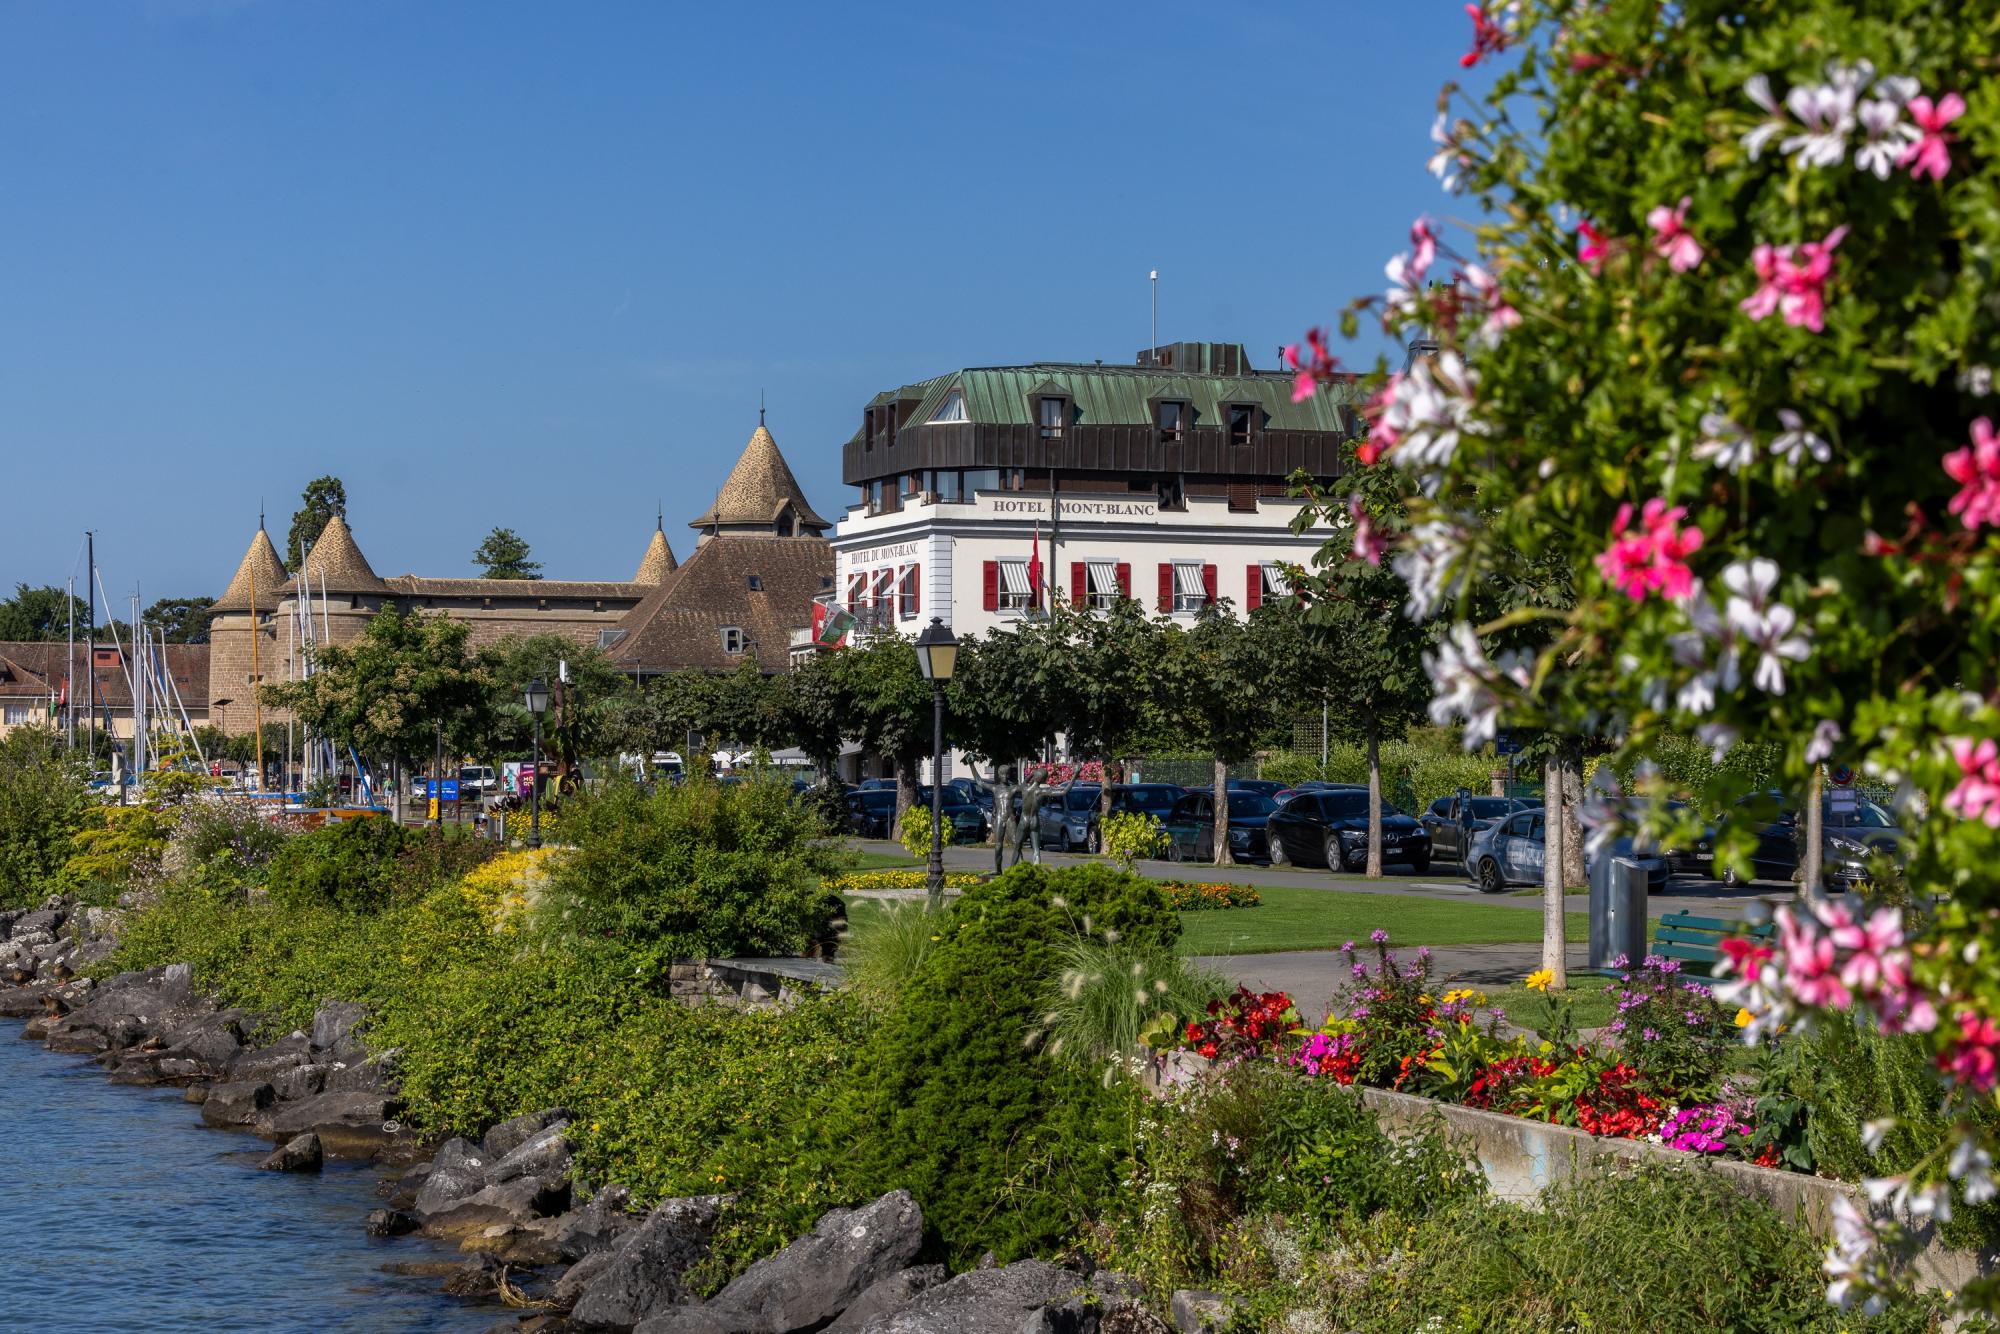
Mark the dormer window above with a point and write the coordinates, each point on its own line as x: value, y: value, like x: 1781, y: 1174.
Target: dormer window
x: 1171, y: 416
x: 1053, y: 415
x: 756, y: 583
x: 784, y: 524
x: 952, y: 409
x: 1242, y: 423
x: 732, y: 640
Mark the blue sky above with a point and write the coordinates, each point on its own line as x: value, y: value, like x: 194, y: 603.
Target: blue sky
x: 530, y: 264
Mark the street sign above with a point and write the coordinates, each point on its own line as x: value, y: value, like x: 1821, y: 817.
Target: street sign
x: 1842, y: 801
x: 1842, y: 775
x: 450, y: 789
x: 1505, y: 744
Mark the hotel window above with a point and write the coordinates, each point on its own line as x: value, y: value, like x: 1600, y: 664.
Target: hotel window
x: 1173, y: 492
x: 946, y: 485
x: 912, y: 483
x: 1276, y: 586
x: 868, y: 428
x: 1054, y: 415
x: 952, y: 409
x: 1242, y: 423
x: 1015, y: 594
x: 1103, y: 591
x: 1190, y: 589
x: 732, y: 639
x: 906, y: 592
x: 885, y: 590
x: 857, y: 588
x: 1172, y: 418
x: 981, y: 479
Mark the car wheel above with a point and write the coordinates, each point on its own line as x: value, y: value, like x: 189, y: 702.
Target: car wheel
x: 1335, y: 859
x: 1730, y: 879
x: 1421, y: 863
x: 1173, y: 850
x: 1490, y: 881
x: 1278, y: 857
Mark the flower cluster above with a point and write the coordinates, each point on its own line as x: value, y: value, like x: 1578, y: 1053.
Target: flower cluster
x: 1190, y: 896
x: 1719, y: 1127
x: 1826, y: 958
x: 1653, y: 558
x: 1244, y: 1024
x: 915, y: 878
x: 1619, y: 1107
x: 1791, y: 280
x: 1336, y: 1056
x: 1817, y: 120
x: 1976, y: 469
x: 1466, y: 683
x: 1977, y: 795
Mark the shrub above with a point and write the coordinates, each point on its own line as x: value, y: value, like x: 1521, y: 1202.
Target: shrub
x: 881, y: 959
x: 43, y: 801
x: 1130, y: 836
x: 236, y: 834
x: 350, y: 866
x: 916, y: 832
x: 510, y: 887
x: 113, y: 845
x: 1105, y: 997
x: 1084, y: 899
x: 700, y: 869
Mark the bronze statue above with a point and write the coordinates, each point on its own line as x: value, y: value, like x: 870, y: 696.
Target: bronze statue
x: 1006, y: 791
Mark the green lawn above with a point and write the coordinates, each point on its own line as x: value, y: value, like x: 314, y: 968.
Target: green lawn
x: 886, y: 861
x: 1589, y: 1006
x: 1315, y: 919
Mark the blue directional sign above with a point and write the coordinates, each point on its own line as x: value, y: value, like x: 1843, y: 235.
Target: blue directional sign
x: 1505, y: 744
x: 450, y: 789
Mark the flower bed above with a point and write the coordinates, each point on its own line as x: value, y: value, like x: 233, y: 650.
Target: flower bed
x: 1200, y: 896
x: 1658, y: 1072
x: 914, y: 878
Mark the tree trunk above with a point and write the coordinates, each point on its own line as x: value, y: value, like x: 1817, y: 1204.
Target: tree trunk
x: 1575, y: 874
x: 1374, y: 803
x: 1552, y: 871
x: 904, y: 797
x: 1223, y: 857
x: 1810, y: 870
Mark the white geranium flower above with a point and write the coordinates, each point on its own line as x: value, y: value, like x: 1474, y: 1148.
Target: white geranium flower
x: 1724, y: 443
x: 1758, y: 89
x: 1795, y: 441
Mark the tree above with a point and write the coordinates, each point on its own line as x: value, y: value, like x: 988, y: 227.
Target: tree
x: 1004, y: 696
x: 323, y: 498
x: 1104, y: 667
x: 504, y: 555
x: 39, y: 615
x: 578, y: 725
x: 388, y: 692
x: 662, y: 715
x: 748, y: 707
x: 1222, y: 679
x: 812, y: 716
x: 185, y: 620
x: 888, y: 703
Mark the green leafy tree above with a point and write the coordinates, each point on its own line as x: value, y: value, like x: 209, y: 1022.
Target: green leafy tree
x: 664, y: 714
x: 1106, y: 668
x: 504, y: 555
x: 811, y: 714
x: 889, y: 703
x: 184, y: 620
x: 1223, y: 678
x: 388, y: 692
x: 748, y: 707
x: 324, y: 497
x: 1004, y: 694
x: 578, y: 725
x: 39, y: 615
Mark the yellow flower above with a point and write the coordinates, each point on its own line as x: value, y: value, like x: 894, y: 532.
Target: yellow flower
x: 1539, y: 979
x: 1743, y: 1018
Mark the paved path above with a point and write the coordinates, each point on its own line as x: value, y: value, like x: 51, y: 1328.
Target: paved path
x: 1313, y: 976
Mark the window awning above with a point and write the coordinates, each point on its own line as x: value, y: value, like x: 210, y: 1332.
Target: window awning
x: 1103, y: 576
x: 1014, y: 577
x: 1188, y: 582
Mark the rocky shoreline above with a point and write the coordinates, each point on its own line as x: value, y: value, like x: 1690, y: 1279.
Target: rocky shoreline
x: 567, y: 1253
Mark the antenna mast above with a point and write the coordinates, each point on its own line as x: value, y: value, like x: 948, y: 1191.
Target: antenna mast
x: 1155, y: 279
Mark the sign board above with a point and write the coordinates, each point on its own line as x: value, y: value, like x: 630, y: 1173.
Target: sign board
x: 1841, y: 801
x: 1505, y: 744
x: 1842, y: 775
x: 450, y: 792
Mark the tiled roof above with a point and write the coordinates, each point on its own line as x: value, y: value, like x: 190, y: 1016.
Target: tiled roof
x: 680, y: 625
x: 412, y: 585
x: 658, y: 561
x: 269, y: 573
x: 757, y: 488
x: 187, y: 664
x: 336, y: 563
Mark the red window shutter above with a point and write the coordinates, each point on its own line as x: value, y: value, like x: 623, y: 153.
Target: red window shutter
x: 916, y: 589
x: 1166, y: 587
x: 1124, y: 579
x: 1253, y: 588
x: 992, y: 570
x: 1207, y: 583
x: 1079, y: 574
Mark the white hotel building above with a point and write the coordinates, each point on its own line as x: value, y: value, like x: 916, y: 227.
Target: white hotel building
x: 1164, y: 480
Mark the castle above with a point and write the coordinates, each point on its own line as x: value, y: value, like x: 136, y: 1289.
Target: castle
x: 759, y: 560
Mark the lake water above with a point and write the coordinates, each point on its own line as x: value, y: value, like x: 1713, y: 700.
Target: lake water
x: 120, y: 1210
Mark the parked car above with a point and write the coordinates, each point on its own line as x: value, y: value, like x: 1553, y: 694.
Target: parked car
x: 475, y: 781
x: 1848, y: 842
x: 968, y: 822
x: 1069, y: 819
x: 975, y: 792
x: 1270, y: 787
x: 1698, y: 857
x: 1329, y: 827
x: 1452, y: 830
x: 871, y: 812
x: 1514, y: 852
x: 875, y: 784
x: 1190, y: 828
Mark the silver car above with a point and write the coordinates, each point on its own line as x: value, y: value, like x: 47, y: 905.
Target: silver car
x: 1513, y: 852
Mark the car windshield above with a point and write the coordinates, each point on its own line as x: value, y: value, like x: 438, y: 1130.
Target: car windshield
x: 1864, y: 815
x: 1080, y: 799
x: 878, y: 798
x: 1490, y: 808
x: 1346, y: 805
x: 1152, y: 800
x: 1250, y: 803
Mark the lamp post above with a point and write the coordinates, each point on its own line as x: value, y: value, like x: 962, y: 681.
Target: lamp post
x: 937, y: 655
x: 538, y: 704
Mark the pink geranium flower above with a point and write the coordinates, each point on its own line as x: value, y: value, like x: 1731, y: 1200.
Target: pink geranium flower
x: 1792, y: 281
x: 1977, y: 796
x: 1488, y: 37
x: 1386, y: 432
x: 1672, y: 241
x: 1976, y: 469
x: 1368, y: 541
x: 1971, y: 1059
x: 1423, y: 248
x: 1593, y: 247
x: 1315, y: 365
x: 1931, y: 155
x: 1812, y: 973
x: 1653, y: 559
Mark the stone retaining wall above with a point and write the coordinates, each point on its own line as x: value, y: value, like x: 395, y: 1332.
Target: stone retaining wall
x: 746, y: 983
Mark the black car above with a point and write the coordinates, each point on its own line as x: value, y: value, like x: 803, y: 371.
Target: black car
x: 1270, y: 787
x: 1329, y: 827
x: 973, y: 791
x: 1452, y: 830
x: 1849, y: 839
x: 968, y: 822
x: 871, y: 812
x: 1191, y: 827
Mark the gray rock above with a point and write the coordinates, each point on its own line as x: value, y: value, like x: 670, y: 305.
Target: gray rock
x: 887, y: 1296
x: 598, y: 1226
x: 333, y: 1028
x: 22, y: 1002
x: 702, y: 1320
x: 1197, y: 1311
x: 301, y: 1081
x: 563, y: 1295
x: 816, y: 1277
x: 1132, y: 1320
x: 389, y: 1223
x: 237, y: 1103
x: 8, y: 917
x: 644, y: 1276
x: 286, y: 1053
x: 546, y: 1155
x: 1075, y: 1316
x: 510, y: 1203
x: 48, y: 921
x: 349, y: 1125
x: 301, y: 1153
x: 457, y: 1170
x: 986, y: 1301
x: 214, y: 1042
x: 369, y: 1076
x: 512, y: 1133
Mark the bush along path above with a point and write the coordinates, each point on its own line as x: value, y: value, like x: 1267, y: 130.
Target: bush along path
x: 536, y: 1236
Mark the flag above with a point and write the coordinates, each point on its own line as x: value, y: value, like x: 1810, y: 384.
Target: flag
x: 1035, y: 569
x: 830, y: 625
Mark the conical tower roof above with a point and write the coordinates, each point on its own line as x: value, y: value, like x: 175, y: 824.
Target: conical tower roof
x: 261, y: 564
x: 337, y: 564
x: 658, y: 561
x: 757, y: 489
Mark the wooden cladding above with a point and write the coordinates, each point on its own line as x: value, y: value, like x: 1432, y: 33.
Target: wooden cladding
x: 1111, y: 449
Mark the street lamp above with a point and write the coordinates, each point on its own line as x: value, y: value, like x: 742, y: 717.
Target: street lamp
x: 937, y: 655
x: 538, y: 704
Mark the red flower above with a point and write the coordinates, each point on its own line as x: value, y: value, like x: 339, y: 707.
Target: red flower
x: 1488, y: 38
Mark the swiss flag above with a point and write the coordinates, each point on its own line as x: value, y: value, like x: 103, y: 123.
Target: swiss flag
x: 1035, y: 569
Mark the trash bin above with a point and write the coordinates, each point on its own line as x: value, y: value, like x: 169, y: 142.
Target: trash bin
x: 1617, y: 911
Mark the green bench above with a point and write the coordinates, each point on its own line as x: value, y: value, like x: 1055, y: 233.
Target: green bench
x: 1698, y: 940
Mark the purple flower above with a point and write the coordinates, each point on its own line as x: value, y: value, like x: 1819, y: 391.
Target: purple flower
x: 1348, y: 948
x: 1649, y: 1035
x: 1424, y: 952
x: 1379, y: 936
x: 1615, y: 1026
